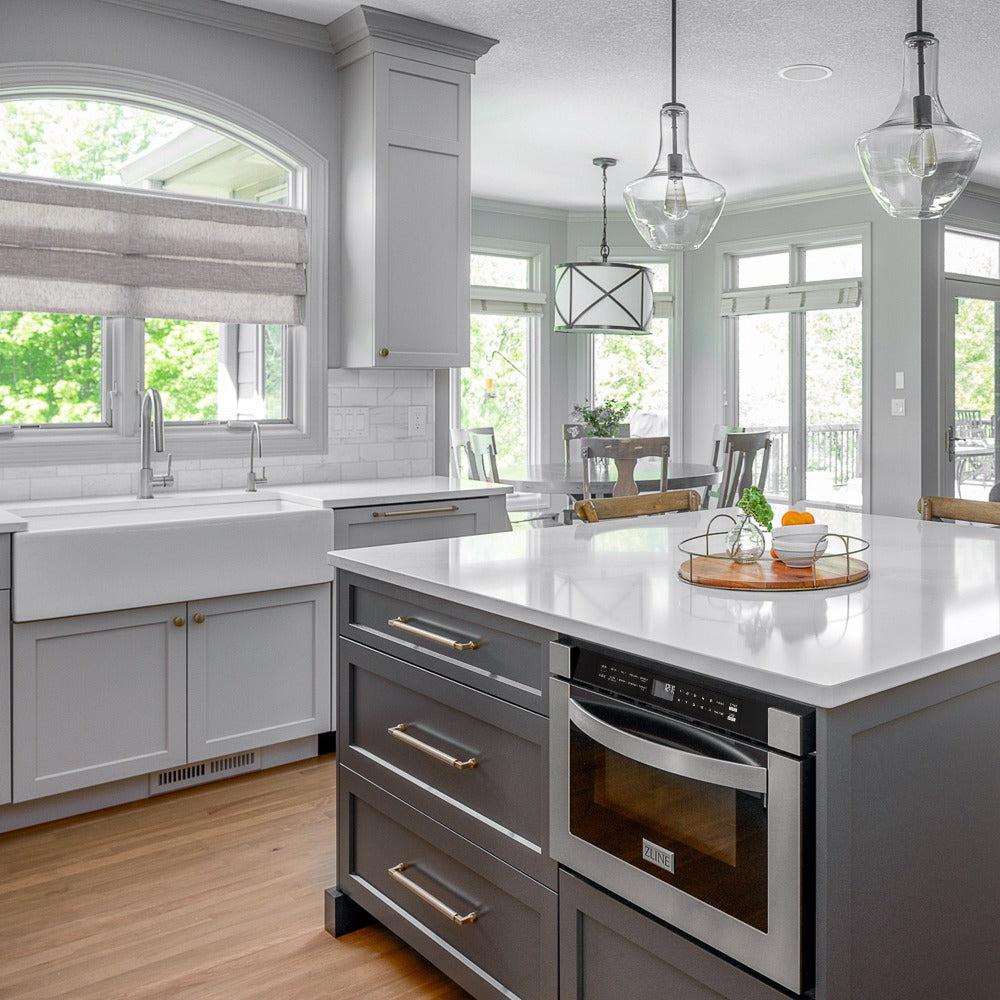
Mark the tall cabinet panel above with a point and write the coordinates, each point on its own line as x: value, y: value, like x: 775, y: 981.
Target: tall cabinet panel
x: 405, y: 189
x: 4, y: 697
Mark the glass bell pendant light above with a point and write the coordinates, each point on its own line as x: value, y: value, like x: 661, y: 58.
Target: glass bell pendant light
x: 674, y: 207
x: 603, y: 296
x: 919, y: 161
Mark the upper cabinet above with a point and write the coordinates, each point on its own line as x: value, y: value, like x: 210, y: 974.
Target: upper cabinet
x: 404, y: 88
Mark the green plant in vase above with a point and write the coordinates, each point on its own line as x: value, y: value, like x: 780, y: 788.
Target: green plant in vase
x: 602, y: 420
x: 745, y: 541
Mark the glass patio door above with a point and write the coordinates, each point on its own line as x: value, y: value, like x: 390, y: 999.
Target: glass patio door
x: 970, y: 453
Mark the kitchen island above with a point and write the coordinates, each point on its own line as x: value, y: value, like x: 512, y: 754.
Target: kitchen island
x: 899, y: 675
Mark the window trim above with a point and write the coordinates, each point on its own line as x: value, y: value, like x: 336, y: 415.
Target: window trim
x: 538, y: 353
x: 797, y: 243
x: 675, y: 348
x: 309, y: 190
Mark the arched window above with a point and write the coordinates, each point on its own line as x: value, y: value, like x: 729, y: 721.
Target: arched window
x: 65, y: 371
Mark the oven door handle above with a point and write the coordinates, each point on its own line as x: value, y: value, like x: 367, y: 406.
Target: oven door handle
x: 698, y: 767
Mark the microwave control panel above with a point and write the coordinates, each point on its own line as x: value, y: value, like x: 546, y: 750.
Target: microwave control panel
x: 661, y: 688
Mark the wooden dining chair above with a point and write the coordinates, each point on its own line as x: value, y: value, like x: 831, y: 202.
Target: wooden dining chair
x: 576, y: 432
x: 478, y: 447
x: 953, y: 509
x: 720, y: 435
x: 624, y: 452
x: 640, y: 505
x: 740, y: 457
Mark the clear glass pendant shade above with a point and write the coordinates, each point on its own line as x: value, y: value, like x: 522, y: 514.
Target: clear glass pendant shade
x: 673, y: 207
x: 919, y: 161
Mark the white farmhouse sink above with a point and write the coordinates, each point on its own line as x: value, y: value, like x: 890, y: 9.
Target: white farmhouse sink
x: 79, y: 557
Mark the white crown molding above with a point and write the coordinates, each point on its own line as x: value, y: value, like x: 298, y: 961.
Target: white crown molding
x: 984, y: 192
x: 232, y: 17
x: 497, y: 207
x: 366, y: 29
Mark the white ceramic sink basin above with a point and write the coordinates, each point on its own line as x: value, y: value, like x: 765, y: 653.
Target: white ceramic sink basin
x: 79, y: 557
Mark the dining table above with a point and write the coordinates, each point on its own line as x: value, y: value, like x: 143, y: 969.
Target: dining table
x: 560, y: 478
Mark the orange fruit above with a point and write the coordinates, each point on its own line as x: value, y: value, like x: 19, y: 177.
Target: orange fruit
x: 796, y: 517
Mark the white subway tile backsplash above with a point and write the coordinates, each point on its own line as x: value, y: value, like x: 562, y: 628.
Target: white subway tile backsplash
x: 55, y: 487
x: 384, y: 449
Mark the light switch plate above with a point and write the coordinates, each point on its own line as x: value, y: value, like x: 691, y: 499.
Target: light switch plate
x: 900, y: 380
x: 349, y: 423
x: 899, y: 407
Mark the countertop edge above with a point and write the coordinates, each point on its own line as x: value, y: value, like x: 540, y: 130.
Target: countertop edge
x: 366, y: 499
x: 817, y: 695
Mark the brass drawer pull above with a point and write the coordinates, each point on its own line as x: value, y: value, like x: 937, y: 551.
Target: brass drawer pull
x: 403, y: 624
x: 416, y: 513
x: 396, y: 873
x: 400, y: 733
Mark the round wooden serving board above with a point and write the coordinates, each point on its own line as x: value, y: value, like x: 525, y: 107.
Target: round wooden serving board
x: 772, y: 574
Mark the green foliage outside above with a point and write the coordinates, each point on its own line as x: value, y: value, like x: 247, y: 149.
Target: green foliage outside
x: 495, y: 385
x: 634, y: 369
x: 975, y: 356
x: 182, y: 361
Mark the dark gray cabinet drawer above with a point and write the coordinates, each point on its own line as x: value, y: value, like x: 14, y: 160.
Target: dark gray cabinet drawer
x: 497, y: 794
x: 501, y: 657
x: 608, y: 950
x: 499, y: 940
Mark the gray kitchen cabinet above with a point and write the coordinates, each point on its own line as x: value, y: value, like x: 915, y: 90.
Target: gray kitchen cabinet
x: 97, y: 698
x: 5, y: 790
x: 609, y: 950
x: 258, y: 670
x: 486, y: 925
x: 392, y: 523
x: 405, y: 190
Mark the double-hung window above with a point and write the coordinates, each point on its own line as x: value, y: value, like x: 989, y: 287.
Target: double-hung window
x: 637, y: 370
x: 506, y: 307
x: 140, y: 249
x: 795, y: 332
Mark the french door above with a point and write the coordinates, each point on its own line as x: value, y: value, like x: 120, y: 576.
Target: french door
x: 970, y: 388
x: 800, y: 376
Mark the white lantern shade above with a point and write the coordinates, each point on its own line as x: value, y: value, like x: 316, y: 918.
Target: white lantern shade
x: 602, y: 297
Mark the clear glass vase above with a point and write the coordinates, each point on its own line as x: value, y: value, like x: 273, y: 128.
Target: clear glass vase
x: 745, y: 542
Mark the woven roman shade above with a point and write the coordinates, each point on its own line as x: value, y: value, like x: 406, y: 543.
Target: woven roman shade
x: 77, y: 248
x: 838, y: 294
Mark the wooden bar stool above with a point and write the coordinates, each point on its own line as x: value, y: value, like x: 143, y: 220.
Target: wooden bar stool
x: 641, y: 505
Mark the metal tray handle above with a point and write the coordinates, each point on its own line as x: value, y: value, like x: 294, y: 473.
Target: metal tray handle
x: 399, y: 732
x: 396, y: 873
x: 402, y: 623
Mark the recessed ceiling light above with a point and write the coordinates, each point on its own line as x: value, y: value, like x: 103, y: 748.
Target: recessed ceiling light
x: 805, y: 72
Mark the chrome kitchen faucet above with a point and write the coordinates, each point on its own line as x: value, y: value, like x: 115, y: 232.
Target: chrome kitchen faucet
x: 151, y: 439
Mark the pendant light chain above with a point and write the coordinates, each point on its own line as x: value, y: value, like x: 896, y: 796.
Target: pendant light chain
x: 605, y: 249
x: 920, y: 17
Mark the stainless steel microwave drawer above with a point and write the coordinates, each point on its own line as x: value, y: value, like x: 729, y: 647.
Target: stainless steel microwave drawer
x: 475, y: 763
x: 608, y: 949
x: 484, y: 924
x: 501, y: 657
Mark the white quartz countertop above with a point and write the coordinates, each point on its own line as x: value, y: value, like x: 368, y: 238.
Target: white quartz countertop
x: 361, y: 493
x: 932, y: 601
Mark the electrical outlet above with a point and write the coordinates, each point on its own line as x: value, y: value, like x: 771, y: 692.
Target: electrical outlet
x: 899, y: 407
x: 416, y: 417
x: 349, y: 423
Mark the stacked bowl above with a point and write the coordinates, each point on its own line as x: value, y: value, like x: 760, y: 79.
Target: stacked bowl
x: 799, y: 544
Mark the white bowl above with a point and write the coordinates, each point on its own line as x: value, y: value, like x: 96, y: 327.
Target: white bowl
x: 799, y: 553
x: 800, y: 531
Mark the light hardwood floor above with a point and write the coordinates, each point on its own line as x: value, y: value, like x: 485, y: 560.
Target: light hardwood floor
x: 214, y: 893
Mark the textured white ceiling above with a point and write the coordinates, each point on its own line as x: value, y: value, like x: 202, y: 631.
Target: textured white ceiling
x: 578, y: 78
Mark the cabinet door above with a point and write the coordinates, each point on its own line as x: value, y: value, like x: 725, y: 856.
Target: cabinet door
x: 5, y: 791
x: 258, y: 670
x: 97, y: 698
x: 422, y: 214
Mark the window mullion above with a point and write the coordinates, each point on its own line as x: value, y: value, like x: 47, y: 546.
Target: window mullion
x: 128, y: 339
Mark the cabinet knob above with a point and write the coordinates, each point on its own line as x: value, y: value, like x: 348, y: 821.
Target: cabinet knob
x: 383, y: 352
x: 179, y: 622
x: 199, y: 618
